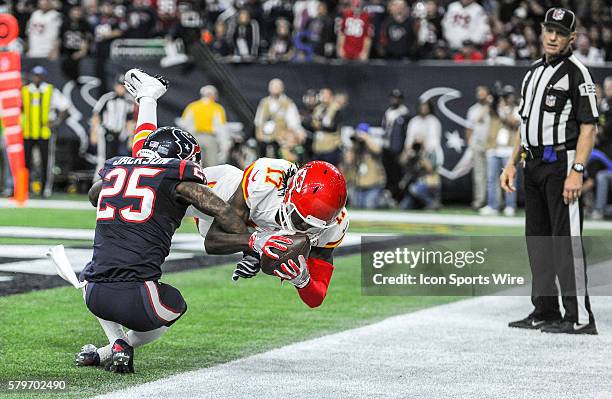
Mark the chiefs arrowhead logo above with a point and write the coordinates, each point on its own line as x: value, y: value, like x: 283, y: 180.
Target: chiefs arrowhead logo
x: 298, y: 180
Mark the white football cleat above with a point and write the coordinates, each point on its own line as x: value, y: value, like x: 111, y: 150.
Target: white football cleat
x: 140, y: 84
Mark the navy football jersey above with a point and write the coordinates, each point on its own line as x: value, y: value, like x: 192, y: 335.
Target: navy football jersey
x: 137, y: 216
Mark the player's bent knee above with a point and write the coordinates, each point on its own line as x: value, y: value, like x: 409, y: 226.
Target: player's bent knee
x: 175, y: 320
x: 139, y: 306
x: 165, y: 304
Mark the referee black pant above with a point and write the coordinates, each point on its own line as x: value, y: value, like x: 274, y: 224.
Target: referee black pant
x: 47, y: 161
x: 554, y: 242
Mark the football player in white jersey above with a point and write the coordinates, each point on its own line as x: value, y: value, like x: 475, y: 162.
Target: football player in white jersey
x: 276, y: 199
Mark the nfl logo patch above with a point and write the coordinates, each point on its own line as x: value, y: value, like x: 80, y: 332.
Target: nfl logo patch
x: 558, y: 14
x: 551, y: 100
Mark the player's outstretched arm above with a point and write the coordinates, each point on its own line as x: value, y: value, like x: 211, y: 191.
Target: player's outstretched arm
x: 207, y: 202
x: 94, y: 192
x: 265, y: 243
x: 147, y: 122
x: 219, y: 241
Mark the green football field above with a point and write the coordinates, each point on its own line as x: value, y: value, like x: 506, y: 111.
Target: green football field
x: 41, y: 331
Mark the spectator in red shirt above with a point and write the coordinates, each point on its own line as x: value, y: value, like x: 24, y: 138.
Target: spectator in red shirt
x: 468, y: 52
x: 355, y: 36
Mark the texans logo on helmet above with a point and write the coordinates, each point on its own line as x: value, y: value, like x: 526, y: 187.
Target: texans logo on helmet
x: 185, y: 146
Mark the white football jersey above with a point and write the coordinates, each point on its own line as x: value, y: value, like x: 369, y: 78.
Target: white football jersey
x: 261, y: 186
x: 465, y: 23
x: 43, y: 30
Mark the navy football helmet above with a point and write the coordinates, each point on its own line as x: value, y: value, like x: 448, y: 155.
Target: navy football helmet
x: 171, y: 142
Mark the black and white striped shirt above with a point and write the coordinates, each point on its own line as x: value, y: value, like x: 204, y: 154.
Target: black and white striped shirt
x: 114, y: 111
x: 557, y: 97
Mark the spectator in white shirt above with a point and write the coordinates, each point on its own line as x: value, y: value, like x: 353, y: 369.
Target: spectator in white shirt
x: 476, y: 133
x: 277, y: 121
x: 425, y: 128
x: 43, y: 31
x: 465, y: 20
x: 421, y: 160
x: 587, y: 54
x: 502, y: 135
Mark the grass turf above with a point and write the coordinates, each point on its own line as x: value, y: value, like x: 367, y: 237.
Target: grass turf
x: 41, y: 331
x: 225, y: 321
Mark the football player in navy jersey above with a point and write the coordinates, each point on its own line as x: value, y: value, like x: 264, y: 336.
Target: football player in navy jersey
x: 141, y: 201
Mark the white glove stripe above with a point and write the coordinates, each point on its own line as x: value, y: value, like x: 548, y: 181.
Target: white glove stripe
x: 247, y: 266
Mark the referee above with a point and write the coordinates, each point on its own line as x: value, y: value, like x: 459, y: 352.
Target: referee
x: 112, y: 119
x: 558, y: 112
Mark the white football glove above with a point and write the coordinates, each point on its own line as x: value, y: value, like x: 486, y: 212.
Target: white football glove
x: 263, y: 242
x: 296, y: 273
x: 248, y: 266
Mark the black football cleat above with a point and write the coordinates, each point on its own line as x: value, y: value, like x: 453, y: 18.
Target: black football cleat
x: 531, y: 323
x: 569, y: 327
x: 122, y: 360
x: 88, y: 356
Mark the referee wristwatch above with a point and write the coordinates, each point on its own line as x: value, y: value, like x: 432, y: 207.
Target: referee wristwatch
x: 578, y: 167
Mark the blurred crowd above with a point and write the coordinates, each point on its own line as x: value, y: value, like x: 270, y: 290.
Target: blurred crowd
x: 492, y: 31
x: 395, y: 164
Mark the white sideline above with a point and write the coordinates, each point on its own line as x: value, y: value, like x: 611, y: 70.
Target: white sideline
x: 460, y: 350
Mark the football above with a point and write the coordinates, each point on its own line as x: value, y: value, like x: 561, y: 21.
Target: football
x: 300, y: 246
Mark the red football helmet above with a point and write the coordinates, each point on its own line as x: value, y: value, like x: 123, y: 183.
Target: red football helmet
x: 314, y: 198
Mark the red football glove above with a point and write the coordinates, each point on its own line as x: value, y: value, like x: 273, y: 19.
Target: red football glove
x: 297, y: 275
x: 263, y: 242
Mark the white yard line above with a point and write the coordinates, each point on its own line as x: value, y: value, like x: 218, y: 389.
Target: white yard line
x: 35, y: 261
x: 355, y: 215
x: 47, y: 204
x: 183, y: 241
x: 460, y: 350
x: 46, y: 232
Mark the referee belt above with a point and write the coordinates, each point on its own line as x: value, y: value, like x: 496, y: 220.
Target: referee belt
x: 540, y: 151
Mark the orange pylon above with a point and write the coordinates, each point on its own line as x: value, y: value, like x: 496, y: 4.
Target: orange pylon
x: 21, y: 187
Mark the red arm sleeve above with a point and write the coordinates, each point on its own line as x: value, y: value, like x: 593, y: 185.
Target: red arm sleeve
x: 142, y: 131
x: 320, y: 275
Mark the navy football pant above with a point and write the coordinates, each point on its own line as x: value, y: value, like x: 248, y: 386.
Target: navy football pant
x: 139, y: 306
